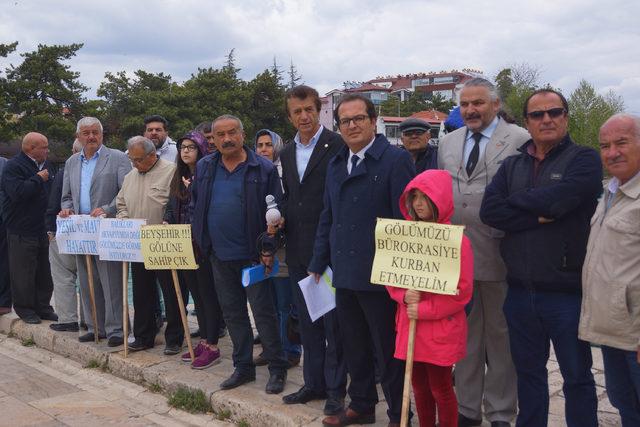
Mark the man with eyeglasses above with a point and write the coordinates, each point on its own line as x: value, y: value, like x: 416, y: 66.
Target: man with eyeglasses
x: 473, y: 154
x: 543, y: 199
x: 415, y: 139
x: 91, y: 181
x: 144, y: 195
x: 364, y: 181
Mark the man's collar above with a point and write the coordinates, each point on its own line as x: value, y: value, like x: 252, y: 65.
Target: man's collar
x: 488, y: 131
x: 96, y: 154
x: 313, y: 139
x: 363, y: 150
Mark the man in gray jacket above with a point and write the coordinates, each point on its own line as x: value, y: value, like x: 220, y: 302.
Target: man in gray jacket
x: 91, y: 182
x: 473, y: 154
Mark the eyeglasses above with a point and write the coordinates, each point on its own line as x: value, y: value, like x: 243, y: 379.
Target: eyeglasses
x: 553, y: 113
x: 357, y: 120
x: 188, y: 148
x: 138, y: 159
x: 414, y: 132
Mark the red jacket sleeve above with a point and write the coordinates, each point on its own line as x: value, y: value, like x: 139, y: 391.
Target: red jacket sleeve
x: 437, y: 306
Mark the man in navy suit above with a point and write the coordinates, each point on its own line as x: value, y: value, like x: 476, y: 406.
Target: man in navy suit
x: 364, y: 181
x: 304, y: 169
x: 26, y: 182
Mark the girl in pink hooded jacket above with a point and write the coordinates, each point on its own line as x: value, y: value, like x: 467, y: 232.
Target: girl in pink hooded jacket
x: 441, y: 329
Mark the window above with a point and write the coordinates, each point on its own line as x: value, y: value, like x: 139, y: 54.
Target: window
x: 392, y: 131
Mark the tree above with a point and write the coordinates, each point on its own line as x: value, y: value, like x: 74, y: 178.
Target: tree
x: 394, y: 107
x: 514, y: 84
x: 294, y: 77
x: 588, y: 111
x: 439, y: 103
x: 266, y: 105
x: 6, y: 124
x: 45, y: 93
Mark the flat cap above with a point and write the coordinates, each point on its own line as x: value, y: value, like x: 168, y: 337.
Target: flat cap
x: 413, y: 123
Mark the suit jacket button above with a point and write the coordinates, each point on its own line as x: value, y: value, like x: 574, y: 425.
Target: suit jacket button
x: 352, y: 253
x: 464, y: 205
x: 353, y: 227
x: 299, y: 203
x: 355, y: 199
x: 339, y: 252
x: 338, y: 225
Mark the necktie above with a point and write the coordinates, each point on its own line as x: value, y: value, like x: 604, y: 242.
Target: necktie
x: 475, y: 153
x: 354, y: 162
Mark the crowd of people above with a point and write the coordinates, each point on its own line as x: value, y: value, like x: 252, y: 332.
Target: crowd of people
x: 548, y: 256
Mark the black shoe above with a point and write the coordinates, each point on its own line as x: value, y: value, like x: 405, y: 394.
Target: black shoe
x: 65, y: 327
x: 222, y: 332
x: 171, y: 349
x: 89, y: 336
x: 500, y: 424
x: 195, y: 334
x: 31, y: 319
x: 303, y: 395
x: 84, y: 326
x: 333, y: 405
x: 260, y: 360
x: 275, y: 385
x: 115, y: 341
x: 467, y: 422
x: 48, y: 315
x: 237, y: 379
x: 138, y: 345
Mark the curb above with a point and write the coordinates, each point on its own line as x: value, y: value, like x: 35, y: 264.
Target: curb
x: 247, y: 403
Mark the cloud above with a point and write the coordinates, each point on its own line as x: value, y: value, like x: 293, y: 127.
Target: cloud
x: 337, y: 40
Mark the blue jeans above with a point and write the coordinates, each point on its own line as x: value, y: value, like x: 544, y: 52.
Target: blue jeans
x: 622, y: 378
x: 535, y: 318
x: 283, y: 299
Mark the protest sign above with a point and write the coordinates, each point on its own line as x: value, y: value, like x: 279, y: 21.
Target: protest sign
x: 119, y: 240
x: 424, y: 256
x: 77, y: 235
x: 167, y: 247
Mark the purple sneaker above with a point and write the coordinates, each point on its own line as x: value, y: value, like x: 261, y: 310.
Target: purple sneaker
x: 207, y: 358
x: 186, y: 357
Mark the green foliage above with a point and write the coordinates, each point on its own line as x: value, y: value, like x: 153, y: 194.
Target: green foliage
x: 44, y: 93
x: 588, y: 111
x: 394, y: 107
x: 514, y: 85
x: 243, y: 423
x: 28, y: 342
x: 190, y: 400
x: 223, y: 414
x: 155, y: 388
x: 92, y: 364
x: 439, y: 103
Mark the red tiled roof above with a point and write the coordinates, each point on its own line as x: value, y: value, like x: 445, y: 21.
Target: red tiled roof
x: 367, y: 87
x: 431, y: 116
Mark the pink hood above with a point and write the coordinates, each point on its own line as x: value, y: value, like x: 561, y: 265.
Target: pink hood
x: 438, y: 186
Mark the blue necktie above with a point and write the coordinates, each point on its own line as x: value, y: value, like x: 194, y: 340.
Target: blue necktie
x: 354, y: 163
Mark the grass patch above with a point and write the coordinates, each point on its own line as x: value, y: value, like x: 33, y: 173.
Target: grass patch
x: 11, y: 334
x: 223, y: 414
x: 28, y: 342
x: 155, y: 388
x: 243, y: 423
x: 190, y: 400
x: 92, y: 364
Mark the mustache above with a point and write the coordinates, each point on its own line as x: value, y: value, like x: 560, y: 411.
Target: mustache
x: 228, y: 144
x: 472, y: 116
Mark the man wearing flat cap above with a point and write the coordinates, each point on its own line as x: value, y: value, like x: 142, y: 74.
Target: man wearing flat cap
x: 415, y: 138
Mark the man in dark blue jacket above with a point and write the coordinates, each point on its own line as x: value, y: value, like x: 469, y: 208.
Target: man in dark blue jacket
x: 228, y: 202
x: 5, y: 287
x: 26, y: 182
x: 364, y: 181
x: 543, y: 199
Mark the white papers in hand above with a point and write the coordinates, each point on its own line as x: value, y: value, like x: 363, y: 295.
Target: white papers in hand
x: 320, y: 297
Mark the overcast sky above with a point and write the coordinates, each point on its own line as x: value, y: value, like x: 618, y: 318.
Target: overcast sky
x: 332, y: 41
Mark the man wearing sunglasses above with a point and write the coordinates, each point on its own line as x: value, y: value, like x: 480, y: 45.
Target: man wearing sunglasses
x: 415, y: 138
x: 543, y: 199
x: 473, y: 154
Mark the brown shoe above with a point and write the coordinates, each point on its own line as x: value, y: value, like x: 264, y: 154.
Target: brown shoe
x: 349, y: 417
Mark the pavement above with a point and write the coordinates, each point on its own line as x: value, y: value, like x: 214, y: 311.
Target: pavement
x: 247, y: 405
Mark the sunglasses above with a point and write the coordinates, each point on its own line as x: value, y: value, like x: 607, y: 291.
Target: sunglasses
x: 553, y: 113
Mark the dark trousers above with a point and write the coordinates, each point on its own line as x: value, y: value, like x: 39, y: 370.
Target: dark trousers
x: 5, y: 282
x: 283, y: 301
x: 31, y: 284
x: 324, y: 367
x: 145, y: 293
x: 367, y: 321
x: 233, y: 300
x: 622, y: 378
x: 201, y: 285
x: 535, y: 318
x: 433, y: 392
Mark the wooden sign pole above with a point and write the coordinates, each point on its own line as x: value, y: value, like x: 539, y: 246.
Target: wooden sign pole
x: 125, y: 306
x: 92, y: 297
x: 406, y: 398
x: 183, y: 315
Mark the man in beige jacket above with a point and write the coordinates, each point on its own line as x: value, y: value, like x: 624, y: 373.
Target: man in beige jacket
x: 610, y: 313
x: 144, y: 195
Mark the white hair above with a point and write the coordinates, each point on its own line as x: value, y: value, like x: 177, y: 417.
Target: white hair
x: 146, y: 143
x: 86, y: 122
